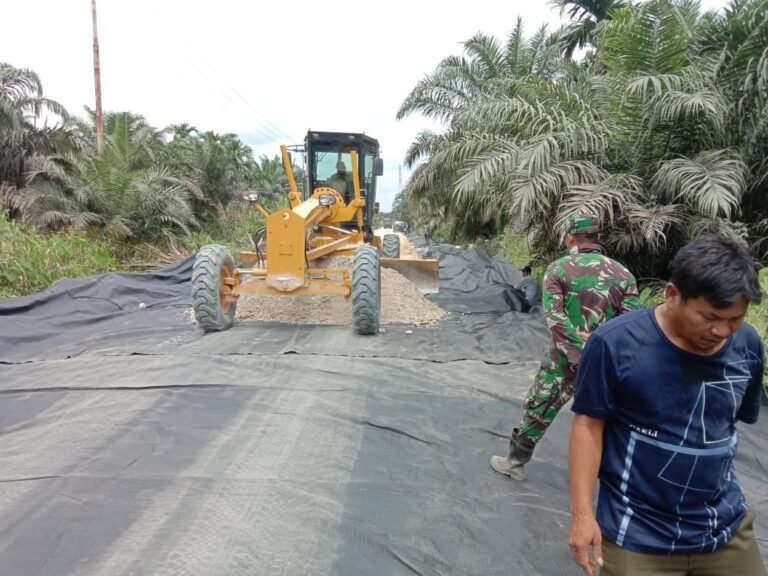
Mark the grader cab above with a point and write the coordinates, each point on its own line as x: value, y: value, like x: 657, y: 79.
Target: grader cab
x: 334, y: 216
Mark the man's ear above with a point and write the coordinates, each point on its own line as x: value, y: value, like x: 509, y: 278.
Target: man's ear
x: 672, y: 295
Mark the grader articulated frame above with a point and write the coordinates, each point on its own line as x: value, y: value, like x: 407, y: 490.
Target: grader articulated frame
x: 334, y: 220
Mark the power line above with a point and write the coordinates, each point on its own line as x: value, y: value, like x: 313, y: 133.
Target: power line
x: 272, y: 134
x: 263, y: 130
x: 266, y: 120
x: 219, y: 101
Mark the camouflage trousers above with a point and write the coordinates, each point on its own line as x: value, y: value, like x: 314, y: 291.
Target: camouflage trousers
x: 553, y: 386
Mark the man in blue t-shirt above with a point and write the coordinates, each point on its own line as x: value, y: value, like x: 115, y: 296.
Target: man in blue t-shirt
x: 658, y: 395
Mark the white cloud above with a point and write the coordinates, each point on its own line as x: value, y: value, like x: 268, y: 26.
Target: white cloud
x: 266, y: 71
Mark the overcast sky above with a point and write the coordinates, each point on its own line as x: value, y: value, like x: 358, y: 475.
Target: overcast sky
x: 267, y: 71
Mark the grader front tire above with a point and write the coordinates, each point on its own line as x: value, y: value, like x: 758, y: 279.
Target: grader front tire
x: 390, y: 246
x: 366, y: 290
x: 213, y: 310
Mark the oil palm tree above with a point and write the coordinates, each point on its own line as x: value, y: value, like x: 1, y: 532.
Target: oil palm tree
x: 126, y: 192
x: 456, y: 92
x: 271, y: 180
x: 30, y: 124
x: 657, y: 132
x: 584, y: 16
x: 220, y: 165
x: 487, y: 67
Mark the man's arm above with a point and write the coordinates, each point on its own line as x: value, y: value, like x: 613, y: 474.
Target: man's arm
x: 631, y: 299
x: 750, y: 403
x: 594, y: 402
x: 529, y: 288
x: 567, y: 338
x: 584, y: 457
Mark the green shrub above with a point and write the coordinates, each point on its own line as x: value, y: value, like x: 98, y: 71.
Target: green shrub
x: 651, y: 295
x: 233, y: 229
x: 31, y: 260
x: 515, y: 248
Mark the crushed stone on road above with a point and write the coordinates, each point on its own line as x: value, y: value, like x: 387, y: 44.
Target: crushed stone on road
x: 401, y: 303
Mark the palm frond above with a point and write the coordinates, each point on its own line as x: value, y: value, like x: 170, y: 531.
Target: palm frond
x: 712, y: 183
x: 606, y: 199
x: 644, y: 228
x: 485, y: 51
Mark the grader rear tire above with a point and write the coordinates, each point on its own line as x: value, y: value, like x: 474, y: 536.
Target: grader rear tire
x: 390, y: 246
x: 366, y: 290
x: 212, y: 264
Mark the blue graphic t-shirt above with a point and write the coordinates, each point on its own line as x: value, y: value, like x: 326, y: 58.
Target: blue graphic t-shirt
x: 667, y: 482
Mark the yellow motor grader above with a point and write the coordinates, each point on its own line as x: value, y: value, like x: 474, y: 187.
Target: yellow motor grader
x: 335, y: 217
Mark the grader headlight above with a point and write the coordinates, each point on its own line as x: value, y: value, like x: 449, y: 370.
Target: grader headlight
x: 326, y: 200
x: 250, y: 196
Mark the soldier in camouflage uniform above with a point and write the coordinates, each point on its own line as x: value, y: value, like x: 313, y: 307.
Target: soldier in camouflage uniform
x: 582, y: 290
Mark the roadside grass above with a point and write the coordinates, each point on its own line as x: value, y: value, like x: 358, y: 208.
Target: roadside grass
x: 31, y: 259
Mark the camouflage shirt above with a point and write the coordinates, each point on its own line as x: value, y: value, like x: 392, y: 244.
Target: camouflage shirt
x: 582, y: 290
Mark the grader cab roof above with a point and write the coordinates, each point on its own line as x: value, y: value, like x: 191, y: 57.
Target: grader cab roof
x: 341, y: 138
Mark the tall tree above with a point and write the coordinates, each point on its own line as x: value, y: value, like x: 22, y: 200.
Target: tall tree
x: 220, y: 165
x: 661, y: 130
x: 487, y: 67
x: 127, y: 192
x: 30, y: 124
x: 584, y: 17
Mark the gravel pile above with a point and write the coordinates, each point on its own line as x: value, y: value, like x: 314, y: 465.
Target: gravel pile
x: 401, y: 303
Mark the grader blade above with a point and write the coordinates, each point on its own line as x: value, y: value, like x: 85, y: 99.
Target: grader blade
x: 423, y: 273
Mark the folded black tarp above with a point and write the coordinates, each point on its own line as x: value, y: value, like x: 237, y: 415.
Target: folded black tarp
x: 473, y: 282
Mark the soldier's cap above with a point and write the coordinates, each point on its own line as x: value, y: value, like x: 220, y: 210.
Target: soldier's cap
x: 582, y: 224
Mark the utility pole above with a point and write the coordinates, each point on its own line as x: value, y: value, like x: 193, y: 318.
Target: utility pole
x: 399, y: 178
x: 97, y: 82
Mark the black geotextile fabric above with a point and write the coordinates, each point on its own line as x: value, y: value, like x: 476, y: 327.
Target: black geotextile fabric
x: 132, y: 443
x: 471, y: 281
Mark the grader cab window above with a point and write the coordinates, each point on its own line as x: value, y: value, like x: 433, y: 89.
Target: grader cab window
x: 334, y: 170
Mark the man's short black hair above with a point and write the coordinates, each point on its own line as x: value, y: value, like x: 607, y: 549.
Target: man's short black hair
x: 718, y: 269
x: 525, y: 269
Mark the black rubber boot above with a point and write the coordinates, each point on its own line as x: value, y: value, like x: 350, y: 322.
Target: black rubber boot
x: 520, y: 452
x: 520, y: 447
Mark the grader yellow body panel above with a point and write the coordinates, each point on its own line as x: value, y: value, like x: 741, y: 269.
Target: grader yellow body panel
x: 285, y: 250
